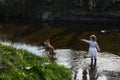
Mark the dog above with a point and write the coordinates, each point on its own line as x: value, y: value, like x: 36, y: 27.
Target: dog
x: 49, y: 48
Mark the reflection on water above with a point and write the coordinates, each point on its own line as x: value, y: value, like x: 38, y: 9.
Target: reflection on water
x: 84, y: 74
x: 106, y: 68
x: 90, y: 73
x: 93, y: 72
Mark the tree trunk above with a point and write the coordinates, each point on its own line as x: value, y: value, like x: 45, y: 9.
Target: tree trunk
x: 90, y: 4
x: 81, y: 3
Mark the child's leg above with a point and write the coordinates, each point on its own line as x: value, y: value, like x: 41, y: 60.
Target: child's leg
x: 95, y: 62
x: 95, y: 59
x: 91, y: 60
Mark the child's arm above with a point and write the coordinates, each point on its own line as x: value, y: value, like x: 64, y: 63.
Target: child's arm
x: 87, y: 41
x: 97, y: 46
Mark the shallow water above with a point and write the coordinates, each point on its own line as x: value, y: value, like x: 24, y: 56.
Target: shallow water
x: 106, y: 68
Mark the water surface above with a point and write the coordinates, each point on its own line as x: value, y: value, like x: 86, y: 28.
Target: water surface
x: 106, y: 68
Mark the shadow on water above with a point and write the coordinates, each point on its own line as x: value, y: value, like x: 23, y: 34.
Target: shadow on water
x: 92, y: 71
x: 87, y: 74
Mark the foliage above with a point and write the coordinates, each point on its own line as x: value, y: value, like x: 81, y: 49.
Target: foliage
x: 23, y: 65
x: 31, y: 10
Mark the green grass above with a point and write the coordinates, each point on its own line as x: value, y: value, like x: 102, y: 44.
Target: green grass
x: 23, y: 65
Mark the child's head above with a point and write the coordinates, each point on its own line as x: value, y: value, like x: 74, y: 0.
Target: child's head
x: 93, y: 38
x: 47, y: 40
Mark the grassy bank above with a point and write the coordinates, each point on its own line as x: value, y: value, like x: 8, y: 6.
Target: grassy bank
x: 23, y: 65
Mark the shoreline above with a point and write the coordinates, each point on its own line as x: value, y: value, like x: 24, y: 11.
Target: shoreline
x: 61, y: 37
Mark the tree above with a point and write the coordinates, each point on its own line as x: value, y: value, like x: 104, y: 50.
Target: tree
x: 81, y: 2
x: 90, y: 4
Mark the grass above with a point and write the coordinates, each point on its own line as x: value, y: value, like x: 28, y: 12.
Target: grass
x: 23, y: 65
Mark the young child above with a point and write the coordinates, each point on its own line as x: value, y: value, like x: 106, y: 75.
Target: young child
x: 49, y: 48
x: 93, y: 48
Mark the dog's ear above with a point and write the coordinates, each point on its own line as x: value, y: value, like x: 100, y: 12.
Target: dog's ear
x: 48, y: 40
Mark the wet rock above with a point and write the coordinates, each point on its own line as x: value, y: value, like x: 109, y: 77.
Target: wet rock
x: 47, y: 16
x: 111, y: 74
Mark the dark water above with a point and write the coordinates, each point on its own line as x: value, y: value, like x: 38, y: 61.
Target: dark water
x: 106, y: 68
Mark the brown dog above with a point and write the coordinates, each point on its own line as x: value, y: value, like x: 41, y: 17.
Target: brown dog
x: 49, y: 48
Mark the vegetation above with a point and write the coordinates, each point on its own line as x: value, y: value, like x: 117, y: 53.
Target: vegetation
x: 23, y: 65
x: 29, y: 11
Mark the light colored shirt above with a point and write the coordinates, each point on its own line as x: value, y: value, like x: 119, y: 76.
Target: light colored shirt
x: 93, y: 44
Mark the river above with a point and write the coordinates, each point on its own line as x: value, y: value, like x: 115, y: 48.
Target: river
x: 106, y: 68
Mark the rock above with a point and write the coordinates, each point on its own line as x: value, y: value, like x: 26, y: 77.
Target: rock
x: 47, y: 16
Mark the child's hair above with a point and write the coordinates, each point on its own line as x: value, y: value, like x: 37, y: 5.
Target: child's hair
x: 93, y: 38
